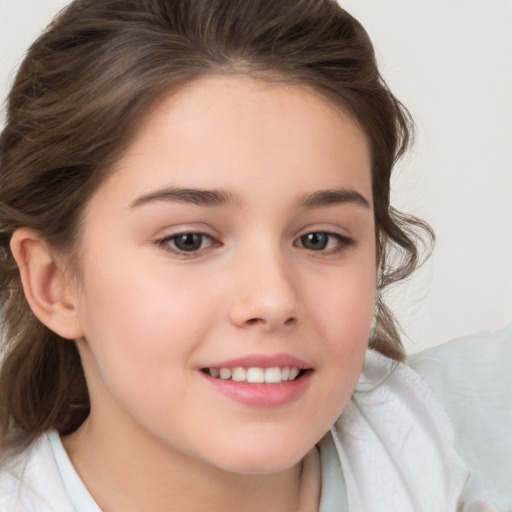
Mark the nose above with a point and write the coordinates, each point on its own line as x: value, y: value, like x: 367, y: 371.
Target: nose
x: 265, y: 294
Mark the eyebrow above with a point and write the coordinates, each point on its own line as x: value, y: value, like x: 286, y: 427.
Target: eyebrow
x: 194, y: 196
x: 332, y: 197
x: 211, y: 198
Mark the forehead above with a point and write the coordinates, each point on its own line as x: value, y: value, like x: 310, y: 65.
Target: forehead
x: 235, y: 131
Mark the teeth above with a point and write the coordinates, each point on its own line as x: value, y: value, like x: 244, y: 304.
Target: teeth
x: 224, y: 373
x: 256, y: 375
x: 293, y: 373
x: 273, y: 375
x: 238, y: 374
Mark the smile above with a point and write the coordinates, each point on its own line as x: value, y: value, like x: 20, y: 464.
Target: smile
x: 261, y: 381
x: 256, y: 375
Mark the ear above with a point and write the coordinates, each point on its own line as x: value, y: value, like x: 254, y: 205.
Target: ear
x: 48, y: 291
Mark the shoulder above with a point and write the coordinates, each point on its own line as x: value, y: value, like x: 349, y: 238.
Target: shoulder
x: 472, y: 378
x: 475, y: 355
x: 30, y: 482
x: 395, y: 443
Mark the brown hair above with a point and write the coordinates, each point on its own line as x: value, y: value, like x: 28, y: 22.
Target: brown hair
x: 75, y: 103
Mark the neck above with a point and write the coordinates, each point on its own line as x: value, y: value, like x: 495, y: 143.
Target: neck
x: 128, y: 476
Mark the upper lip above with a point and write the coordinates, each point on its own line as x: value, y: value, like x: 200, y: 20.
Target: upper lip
x: 263, y: 361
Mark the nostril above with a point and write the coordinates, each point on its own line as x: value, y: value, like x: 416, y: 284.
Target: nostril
x: 254, y: 321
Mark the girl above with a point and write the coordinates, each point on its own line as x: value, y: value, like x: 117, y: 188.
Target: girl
x: 195, y: 236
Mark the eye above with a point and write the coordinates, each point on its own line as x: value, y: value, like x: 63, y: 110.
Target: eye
x: 321, y: 241
x: 185, y: 242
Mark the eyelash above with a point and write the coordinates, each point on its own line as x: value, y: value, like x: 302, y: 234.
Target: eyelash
x: 168, y: 243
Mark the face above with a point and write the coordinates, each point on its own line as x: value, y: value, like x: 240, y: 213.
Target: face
x: 233, y: 243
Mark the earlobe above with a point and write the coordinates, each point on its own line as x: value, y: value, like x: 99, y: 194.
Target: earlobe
x: 47, y: 290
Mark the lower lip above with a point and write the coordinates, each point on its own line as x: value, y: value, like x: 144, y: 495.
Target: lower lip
x: 262, y: 395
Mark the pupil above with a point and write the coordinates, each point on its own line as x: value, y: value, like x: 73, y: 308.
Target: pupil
x: 315, y: 241
x: 188, y: 242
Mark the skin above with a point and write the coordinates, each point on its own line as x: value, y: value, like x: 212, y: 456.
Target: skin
x: 147, y: 318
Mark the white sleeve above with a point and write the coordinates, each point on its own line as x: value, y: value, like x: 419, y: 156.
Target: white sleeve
x: 472, y: 378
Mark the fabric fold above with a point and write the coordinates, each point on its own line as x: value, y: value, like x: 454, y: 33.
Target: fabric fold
x: 396, y: 444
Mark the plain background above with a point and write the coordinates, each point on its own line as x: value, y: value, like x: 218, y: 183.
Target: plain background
x: 450, y: 63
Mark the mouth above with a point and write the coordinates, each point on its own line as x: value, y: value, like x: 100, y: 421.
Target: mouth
x: 257, y: 375
x: 261, y: 380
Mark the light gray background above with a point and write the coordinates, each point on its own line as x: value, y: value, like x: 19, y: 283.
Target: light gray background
x: 450, y: 62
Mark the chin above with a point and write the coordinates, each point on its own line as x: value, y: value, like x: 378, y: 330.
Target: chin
x: 258, y: 460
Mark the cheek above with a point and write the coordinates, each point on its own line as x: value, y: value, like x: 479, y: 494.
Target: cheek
x: 347, y: 315
x: 142, y: 334
x: 142, y: 324
x: 343, y: 310
x: 345, y: 304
